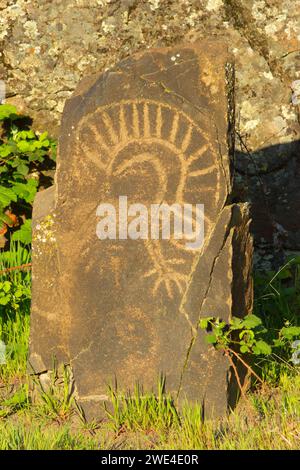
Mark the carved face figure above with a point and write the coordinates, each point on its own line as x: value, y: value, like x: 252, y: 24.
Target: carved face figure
x: 153, y: 153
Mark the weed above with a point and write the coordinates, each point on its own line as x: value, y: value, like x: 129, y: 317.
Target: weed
x: 57, y: 401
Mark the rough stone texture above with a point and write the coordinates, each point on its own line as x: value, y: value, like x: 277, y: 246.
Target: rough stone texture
x: 221, y: 283
x: 47, y: 46
x: 47, y: 324
x: 157, y: 128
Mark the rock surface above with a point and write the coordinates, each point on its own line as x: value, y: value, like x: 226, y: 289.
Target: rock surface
x: 47, y: 46
x: 47, y: 324
x: 157, y: 128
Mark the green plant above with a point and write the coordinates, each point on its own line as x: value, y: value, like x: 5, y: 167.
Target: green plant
x: 142, y: 411
x: 247, y: 335
x: 25, y: 157
x: 268, y: 335
x: 14, y: 332
x: 56, y: 394
x: 15, y: 280
x: 28, y: 435
x: 19, y: 400
x: 277, y: 303
x: 15, y: 295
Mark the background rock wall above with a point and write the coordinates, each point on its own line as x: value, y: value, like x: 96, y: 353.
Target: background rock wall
x: 47, y: 46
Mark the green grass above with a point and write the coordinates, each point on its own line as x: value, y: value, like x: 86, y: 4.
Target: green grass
x: 277, y: 303
x: 268, y: 417
x: 14, y: 332
x: 15, y: 311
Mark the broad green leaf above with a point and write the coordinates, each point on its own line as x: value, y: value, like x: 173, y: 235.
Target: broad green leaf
x: 21, y: 190
x: 23, y: 135
x: 6, y: 150
x: 244, y: 348
x: 290, y: 332
x: 41, y: 144
x: 7, y: 195
x: 25, y: 146
x: 261, y: 347
x: 236, y: 323
x: 15, y: 161
x: 23, y: 169
x: 7, y: 110
x: 24, y: 233
x: 4, y: 300
x: 3, y: 169
x: 211, y: 339
x: 32, y: 182
x: 6, y: 286
x: 26, y: 191
x: 18, y: 293
x: 43, y: 136
x: 251, y: 321
x: 203, y: 323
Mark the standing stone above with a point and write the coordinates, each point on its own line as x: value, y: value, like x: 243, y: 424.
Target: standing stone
x: 157, y: 128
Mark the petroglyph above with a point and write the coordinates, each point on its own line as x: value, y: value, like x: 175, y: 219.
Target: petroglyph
x: 157, y: 133
x: 146, y: 131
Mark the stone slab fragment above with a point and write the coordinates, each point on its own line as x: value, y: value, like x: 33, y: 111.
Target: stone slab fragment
x: 47, y: 324
x: 157, y: 128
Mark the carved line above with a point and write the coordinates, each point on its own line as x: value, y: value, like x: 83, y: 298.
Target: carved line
x: 166, y: 276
